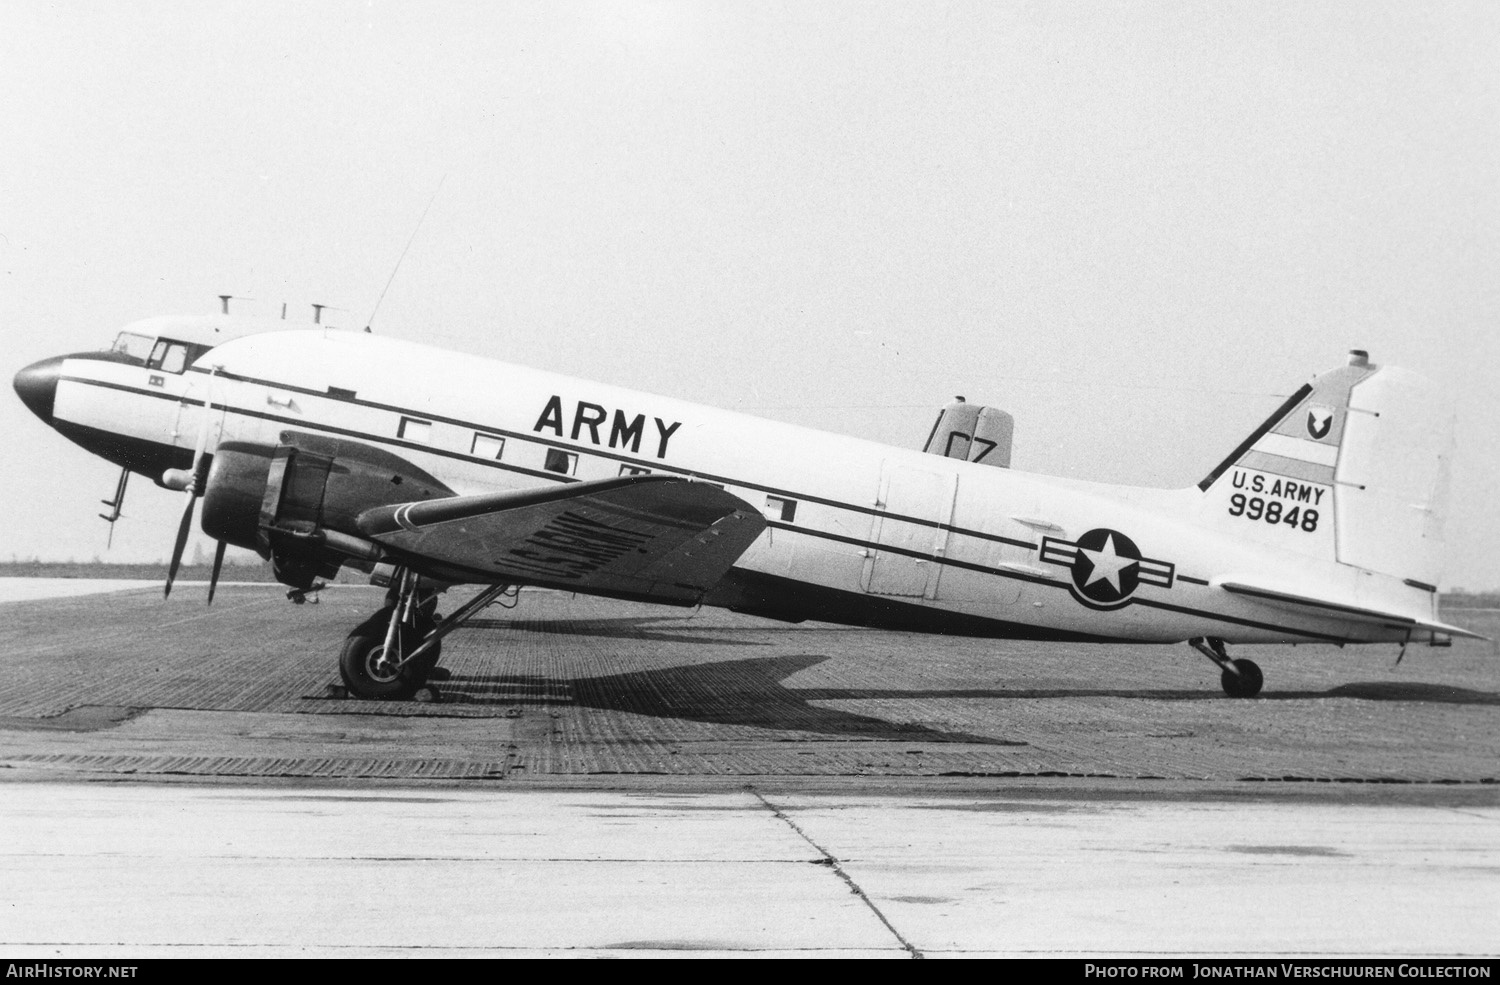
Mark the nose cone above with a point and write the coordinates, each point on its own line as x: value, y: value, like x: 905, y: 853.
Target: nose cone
x: 36, y: 385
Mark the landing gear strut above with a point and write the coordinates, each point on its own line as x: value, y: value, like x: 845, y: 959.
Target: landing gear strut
x: 395, y: 652
x: 1241, y: 678
x: 376, y: 661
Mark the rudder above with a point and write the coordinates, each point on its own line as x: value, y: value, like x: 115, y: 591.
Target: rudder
x: 1353, y: 468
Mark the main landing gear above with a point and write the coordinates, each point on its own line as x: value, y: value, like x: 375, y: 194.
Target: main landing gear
x: 394, y: 653
x: 1241, y: 678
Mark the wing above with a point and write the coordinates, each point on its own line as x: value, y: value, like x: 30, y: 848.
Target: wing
x: 647, y: 537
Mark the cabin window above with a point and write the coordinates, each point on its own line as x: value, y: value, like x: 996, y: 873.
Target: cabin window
x: 778, y: 508
x: 413, y: 429
x: 634, y: 470
x: 565, y: 462
x: 488, y: 446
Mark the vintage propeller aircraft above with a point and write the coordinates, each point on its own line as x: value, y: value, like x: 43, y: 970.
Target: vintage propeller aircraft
x: 320, y: 448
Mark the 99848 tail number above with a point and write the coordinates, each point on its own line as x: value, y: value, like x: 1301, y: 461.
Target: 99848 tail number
x: 1272, y: 511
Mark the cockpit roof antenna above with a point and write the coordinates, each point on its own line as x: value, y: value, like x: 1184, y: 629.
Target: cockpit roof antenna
x: 410, y: 240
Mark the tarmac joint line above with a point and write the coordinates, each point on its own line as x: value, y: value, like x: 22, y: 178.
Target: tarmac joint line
x: 831, y: 862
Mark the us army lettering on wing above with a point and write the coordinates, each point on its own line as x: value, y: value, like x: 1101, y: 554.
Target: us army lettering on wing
x: 623, y: 432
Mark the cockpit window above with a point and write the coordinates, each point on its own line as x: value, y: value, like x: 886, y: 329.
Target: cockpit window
x: 168, y: 356
x: 136, y: 347
x: 173, y: 357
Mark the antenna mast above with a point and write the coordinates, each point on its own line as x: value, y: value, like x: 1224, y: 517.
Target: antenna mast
x: 409, y: 241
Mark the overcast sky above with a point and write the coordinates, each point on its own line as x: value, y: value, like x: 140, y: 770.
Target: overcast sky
x: 1134, y: 225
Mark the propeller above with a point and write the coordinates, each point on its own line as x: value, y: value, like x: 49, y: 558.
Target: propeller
x: 213, y: 580
x: 193, y: 482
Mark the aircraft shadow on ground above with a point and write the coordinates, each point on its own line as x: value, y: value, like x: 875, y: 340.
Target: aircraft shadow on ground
x: 1395, y: 691
x: 1366, y: 691
x: 752, y: 692
x: 749, y: 692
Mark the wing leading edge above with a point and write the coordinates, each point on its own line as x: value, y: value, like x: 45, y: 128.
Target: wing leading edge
x: 648, y: 537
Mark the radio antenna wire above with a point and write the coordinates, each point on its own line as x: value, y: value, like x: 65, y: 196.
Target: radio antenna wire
x: 411, y: 239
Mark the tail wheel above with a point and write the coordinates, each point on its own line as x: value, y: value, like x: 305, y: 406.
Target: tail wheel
x: 1245, y: 684
x: 367, y: 674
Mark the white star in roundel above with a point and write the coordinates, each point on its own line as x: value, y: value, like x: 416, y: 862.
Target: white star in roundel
x: 1107, y: 564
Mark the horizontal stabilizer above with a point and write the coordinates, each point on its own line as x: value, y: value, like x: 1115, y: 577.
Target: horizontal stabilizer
x: 647, y: 537
x: 1282, y: 597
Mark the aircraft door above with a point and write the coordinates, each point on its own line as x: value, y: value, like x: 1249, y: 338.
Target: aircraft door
x: 911, y: 533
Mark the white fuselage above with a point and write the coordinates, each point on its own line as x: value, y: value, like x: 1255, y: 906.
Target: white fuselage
x: 845, y: 515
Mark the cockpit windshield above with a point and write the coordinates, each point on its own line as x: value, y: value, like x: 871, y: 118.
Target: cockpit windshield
x: 167, y: 355
x: 133, y: 346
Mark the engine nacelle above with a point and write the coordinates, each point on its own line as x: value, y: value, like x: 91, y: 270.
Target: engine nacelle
x: 295, y: 502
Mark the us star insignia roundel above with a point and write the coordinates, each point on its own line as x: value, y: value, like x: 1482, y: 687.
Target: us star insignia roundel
x: 1106, y: 567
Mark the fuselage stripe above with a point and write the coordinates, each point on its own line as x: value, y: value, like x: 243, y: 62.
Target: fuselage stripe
x: 594, y: 451
x: 1048, y: 582
x: 779, y: 525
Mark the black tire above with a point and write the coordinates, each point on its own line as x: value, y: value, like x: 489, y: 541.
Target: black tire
x: 1245, y: 684
x: 375, y: 625
x: 360, y: 668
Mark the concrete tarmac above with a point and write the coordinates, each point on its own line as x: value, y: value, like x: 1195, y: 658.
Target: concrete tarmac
x: 605, y: 779
x: 150, y: 870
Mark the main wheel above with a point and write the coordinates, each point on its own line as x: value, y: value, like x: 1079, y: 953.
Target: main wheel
x: 1245, y: 684
x: 366, y: 673
x: 375, y: 624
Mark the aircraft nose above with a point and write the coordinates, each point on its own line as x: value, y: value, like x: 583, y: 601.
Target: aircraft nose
x: 36, y: 385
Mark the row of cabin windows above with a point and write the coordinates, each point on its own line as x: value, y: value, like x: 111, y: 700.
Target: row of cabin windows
x: 492, y: 447
x: 489, y: 446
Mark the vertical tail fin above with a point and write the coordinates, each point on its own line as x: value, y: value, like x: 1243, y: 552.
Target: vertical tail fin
x: 1353, y: 468
x: 972, y: 433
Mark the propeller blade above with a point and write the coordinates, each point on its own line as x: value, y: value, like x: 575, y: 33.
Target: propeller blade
x: 213, y: 579
x: 182, y: 536
x: 208, y: 422
x: 200, y: 479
